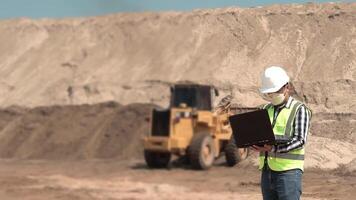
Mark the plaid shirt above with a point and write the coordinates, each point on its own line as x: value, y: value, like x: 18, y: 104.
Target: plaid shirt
x: 301, y: 127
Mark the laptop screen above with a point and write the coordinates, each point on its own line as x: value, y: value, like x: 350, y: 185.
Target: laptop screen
x: 252, y: 128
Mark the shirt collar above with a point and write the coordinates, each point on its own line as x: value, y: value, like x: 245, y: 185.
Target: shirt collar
x: 289, y: 102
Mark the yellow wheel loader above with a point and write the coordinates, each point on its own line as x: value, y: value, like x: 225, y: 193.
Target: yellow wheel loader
x: 191, y: 128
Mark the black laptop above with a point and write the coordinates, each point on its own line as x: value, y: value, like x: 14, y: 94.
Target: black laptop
x: 252, y: 128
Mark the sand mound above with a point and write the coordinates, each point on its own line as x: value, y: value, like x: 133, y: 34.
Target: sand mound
x: 134, y: 57
x: 326, y: 153
x: 106, y: 130
x: 112, y: 131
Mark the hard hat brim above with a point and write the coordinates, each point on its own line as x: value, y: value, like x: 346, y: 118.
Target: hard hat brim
x: 268, y: 90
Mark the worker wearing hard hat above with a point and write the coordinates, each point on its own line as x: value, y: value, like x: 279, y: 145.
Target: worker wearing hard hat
x: 282, y: 164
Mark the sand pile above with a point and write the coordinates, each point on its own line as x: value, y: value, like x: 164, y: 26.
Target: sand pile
x: 106, y: 130
x: 135, y: 57
x: 112, y: 131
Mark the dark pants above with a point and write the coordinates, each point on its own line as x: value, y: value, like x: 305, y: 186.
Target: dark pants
x: 285, y: 185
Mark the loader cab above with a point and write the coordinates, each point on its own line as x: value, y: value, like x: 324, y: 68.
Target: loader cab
x: 200, y: 97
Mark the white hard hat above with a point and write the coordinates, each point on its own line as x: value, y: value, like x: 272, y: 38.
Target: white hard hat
x: 273, y: 79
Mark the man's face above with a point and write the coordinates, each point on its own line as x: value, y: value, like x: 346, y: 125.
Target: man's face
x: 278, y: 97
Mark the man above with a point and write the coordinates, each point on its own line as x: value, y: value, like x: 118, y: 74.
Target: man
x: 282, y: 164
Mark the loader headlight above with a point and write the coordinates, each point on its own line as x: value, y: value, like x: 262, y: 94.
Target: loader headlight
x: 183, y: 114
x: 180, y: 115
x: 187, y: 114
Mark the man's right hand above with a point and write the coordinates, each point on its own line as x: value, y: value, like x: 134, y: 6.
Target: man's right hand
x: 263, y: 148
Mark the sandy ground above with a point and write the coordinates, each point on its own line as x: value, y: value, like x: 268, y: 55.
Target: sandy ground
x: 113, y: 179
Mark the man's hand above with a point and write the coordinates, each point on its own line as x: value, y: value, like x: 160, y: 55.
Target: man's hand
x: 265, y: 147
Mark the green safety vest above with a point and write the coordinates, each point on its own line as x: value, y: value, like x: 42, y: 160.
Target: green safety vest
x: 284, y: 129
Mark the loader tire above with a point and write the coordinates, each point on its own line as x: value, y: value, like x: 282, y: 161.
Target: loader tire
x: 234, y: 155
x: 201, y: 151
x: 157, y: 159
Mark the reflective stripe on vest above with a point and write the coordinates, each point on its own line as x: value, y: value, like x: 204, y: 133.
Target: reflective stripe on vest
x: 290, y: 156
x: 284, y: 129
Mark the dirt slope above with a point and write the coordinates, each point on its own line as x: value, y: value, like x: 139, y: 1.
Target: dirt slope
x: 112, y: 131
x: 133, y: 57
x: 53, y: 67
x: 106, y: 130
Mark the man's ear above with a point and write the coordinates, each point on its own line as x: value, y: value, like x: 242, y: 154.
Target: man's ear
x: 288, y: 88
